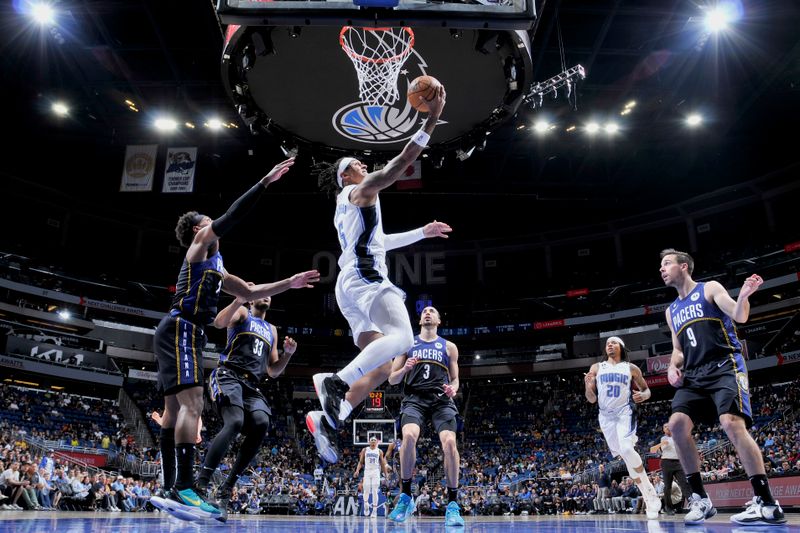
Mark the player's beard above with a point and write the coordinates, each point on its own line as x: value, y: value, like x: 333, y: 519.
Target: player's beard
x: 261, y: 307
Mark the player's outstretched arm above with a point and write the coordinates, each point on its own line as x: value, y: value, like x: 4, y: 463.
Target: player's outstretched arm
x: 431, y: 230
x: 235, y: 313
x: 236, y: 286
x: 738, y: 310
x: 380, y: 179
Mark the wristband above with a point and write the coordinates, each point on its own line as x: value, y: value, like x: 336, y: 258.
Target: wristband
x: 421, y: 138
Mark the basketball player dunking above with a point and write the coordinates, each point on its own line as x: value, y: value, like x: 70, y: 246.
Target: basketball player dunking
x: 373, y: 461
x: 373, y: 306
x: 709, y: 372
x: 609, y: 384
x: 179, y: 340
x: 429, y: 372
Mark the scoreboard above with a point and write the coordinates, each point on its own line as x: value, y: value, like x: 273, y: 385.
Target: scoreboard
x: 374, y: 402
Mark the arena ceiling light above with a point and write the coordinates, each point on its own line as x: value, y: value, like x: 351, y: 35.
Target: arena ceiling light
x: 541, y: 127
x: 165, y: 124
x: 64, y: 314
x: 214, y: 124
x: 592, y: 128
x: 60, y: 109
x: 43, y: 13
x: 720, y: 17
x: 611, y: 128
x: 694, y: 120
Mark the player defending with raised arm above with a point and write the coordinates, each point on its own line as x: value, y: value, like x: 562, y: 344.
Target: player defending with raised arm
x: 250, y: 355
x: 608, y: 383
x: 179, y: 340
x: 373, y: 306
x: 373, y: 461
x: 709, y: 372
x: 429, y: 372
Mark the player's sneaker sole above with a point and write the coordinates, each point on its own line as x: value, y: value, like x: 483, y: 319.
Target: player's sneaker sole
x: 173, y: 508
x: 315, y: 421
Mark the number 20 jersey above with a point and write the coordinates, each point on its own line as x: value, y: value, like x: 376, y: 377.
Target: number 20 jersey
x: 706, y: 334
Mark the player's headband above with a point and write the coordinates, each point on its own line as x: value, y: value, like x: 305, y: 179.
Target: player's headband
x: 619, y: 341
x: 197, y: 219
x: 343, y: 164
x: 373, y: 439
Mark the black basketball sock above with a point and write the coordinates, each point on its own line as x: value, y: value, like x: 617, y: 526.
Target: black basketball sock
x: 697, y: 484
x: 167, y: 443
x: 185, y: 453
x: 761, y: 488
x: 452, y: 495
x: 406, y: 486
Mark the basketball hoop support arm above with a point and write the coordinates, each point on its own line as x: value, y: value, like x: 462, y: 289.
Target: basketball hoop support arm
x: 538, y: 90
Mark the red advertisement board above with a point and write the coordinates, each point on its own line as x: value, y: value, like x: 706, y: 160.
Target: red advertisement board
x: 98, y: 460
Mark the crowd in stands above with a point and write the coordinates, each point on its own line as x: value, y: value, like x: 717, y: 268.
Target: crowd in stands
x: 527, y: 447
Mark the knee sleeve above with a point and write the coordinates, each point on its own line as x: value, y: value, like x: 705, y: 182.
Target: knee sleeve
x: 629, y: 455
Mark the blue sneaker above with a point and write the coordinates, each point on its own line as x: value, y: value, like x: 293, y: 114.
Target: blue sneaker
x: 193, y: 503
x: 452, y: 517
x: 404, y: 508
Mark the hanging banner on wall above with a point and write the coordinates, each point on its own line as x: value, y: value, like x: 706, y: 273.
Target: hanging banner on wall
x: 179, y: 170
x: 139, y: 168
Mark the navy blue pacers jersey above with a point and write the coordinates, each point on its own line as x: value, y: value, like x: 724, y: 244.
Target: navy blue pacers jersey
x: 249, y: 347
x: 706, y: 334
x: 432, y: 369
x: 197, y: 291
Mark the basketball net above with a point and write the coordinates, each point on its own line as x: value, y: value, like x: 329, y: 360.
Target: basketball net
x: 377, y: 54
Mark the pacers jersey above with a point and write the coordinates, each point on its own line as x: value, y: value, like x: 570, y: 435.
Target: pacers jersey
x: 705, y: 333
x: 433, y: 366
x: 361, y: 237
x: 249, y: 347
x: 613, y: 386
x: 197, y: 291
x: 372, y: 462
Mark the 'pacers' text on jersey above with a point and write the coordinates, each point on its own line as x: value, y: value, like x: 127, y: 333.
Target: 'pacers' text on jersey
x: 705, y: 333
x: 433, y: 366
x: 613, y: 386
x: 197, y: 291
x: 249, y: 347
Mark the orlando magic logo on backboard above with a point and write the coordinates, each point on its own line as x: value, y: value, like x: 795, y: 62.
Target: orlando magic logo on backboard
x: 380, y: 56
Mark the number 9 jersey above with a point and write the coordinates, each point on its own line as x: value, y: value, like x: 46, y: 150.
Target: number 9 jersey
x: 706, y: 334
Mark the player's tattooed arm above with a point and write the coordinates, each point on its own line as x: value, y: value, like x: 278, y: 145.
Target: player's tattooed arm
x: 643, y: 394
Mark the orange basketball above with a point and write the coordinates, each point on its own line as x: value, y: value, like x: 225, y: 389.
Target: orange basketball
x: 422, y: 91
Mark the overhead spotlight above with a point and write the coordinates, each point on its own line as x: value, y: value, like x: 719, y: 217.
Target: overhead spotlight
x: 520, y: 127
x: 572, y: 128
x: 612, y: 128
x: 165, y: 124
x: 189, y: 125
x: 625, y: 111
x: 631, y: 104
x: 43, y: 13
x: 592, y: 128
x: 64, y: 314
x: 477, y: 357
x: 214, y: 124
x: 720, y: 17
x: 60, y: 109
x: 455, y: 34
x: 694, y: 120
x: 481, y: 144
x: 541, y: 127
x: 437, y: 161
x: 294, y: 32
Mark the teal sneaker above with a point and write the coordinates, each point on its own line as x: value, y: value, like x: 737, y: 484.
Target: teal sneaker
x: 194, y: 503
x: 404, y: 508
x: 452, y: 517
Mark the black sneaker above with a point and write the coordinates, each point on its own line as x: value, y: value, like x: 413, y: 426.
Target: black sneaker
x: 324, y: 436
x: 330, y: 390
x: 223, y: 498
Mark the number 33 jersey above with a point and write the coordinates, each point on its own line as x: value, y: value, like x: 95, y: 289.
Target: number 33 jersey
x: 613, y: 386
x: 249, y: 347
x: 705, y: 333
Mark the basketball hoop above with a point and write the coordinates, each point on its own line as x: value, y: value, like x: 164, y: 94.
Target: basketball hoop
x: 377, y: 54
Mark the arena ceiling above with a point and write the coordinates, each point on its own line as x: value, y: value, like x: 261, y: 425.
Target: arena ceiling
x: 165, y: 57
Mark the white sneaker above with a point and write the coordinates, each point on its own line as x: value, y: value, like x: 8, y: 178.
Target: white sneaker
x: 652, y: 507
x: 699, y: 510
x: 757, y: 513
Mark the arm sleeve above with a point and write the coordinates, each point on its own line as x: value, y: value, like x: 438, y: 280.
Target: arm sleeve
x: 237, y: 210
x: 399, y: 240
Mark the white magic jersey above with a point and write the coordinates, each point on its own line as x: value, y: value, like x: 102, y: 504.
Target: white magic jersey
x: 372, y: 462
x: 613, y: 385
x: 361, y: 237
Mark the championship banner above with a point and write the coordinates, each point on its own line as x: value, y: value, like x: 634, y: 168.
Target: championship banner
x: 139, y: 168
x: 179, y: 170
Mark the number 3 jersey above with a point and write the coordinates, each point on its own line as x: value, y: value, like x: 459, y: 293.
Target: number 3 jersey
x: 706, y: 334
x: 249, y: 347
x: 432, y: 369
x: 613, y: 386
